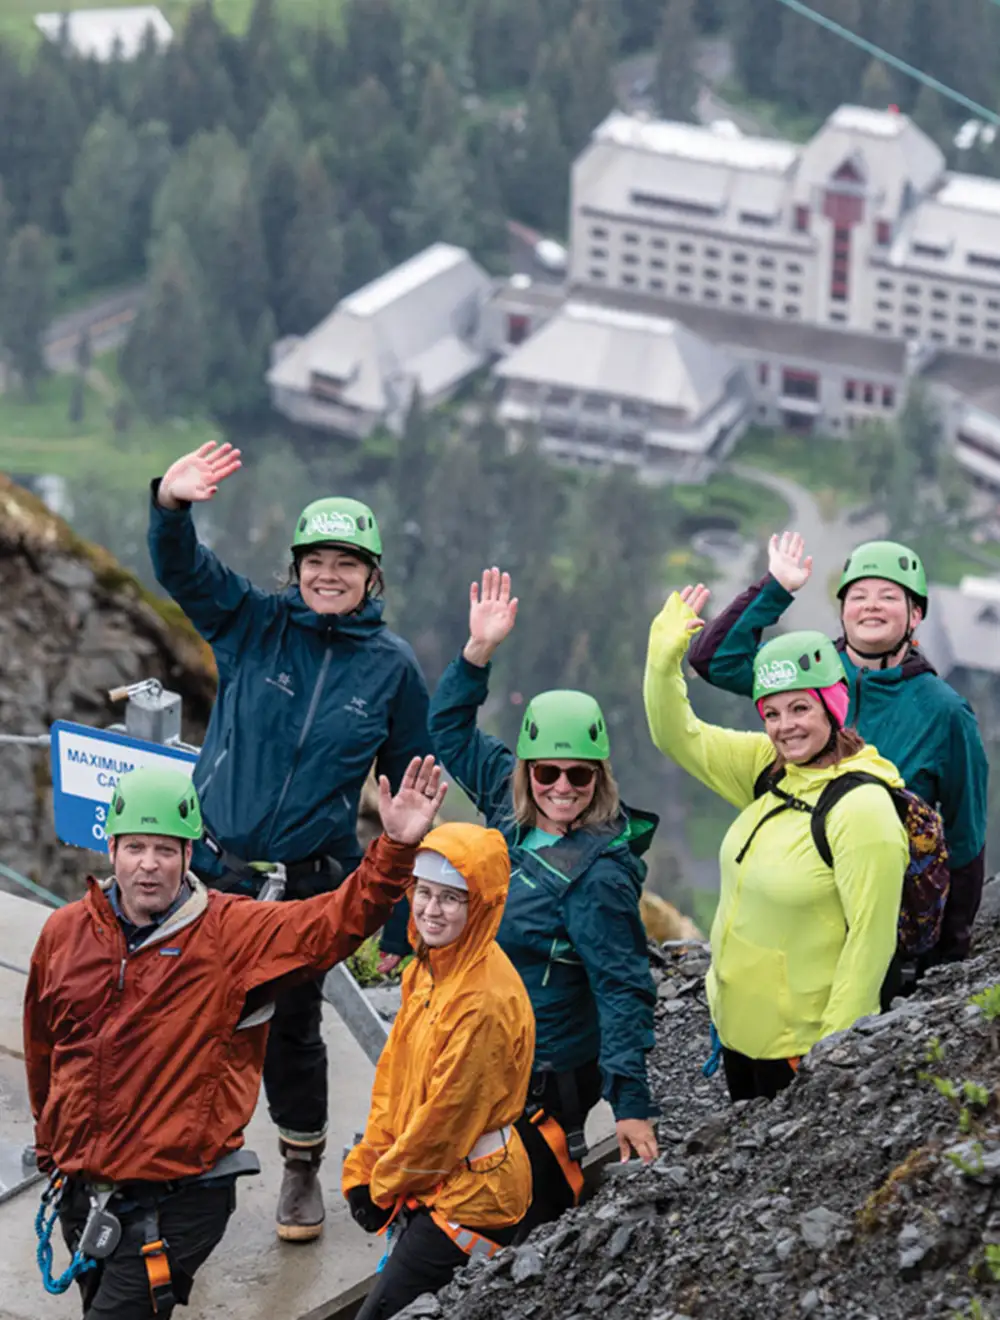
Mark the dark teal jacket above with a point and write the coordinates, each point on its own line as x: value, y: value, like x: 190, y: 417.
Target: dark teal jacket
x: 571, y: 925
x: 306, y: 703
x: 910, y: 714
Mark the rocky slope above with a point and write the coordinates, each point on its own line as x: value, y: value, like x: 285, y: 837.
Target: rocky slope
x: 862, y: 1193
x: 73, y: 624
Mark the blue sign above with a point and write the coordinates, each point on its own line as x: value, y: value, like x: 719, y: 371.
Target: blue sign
x: 87, y: 764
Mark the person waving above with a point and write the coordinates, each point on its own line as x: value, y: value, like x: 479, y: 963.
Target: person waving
x: 312, y: 689
x: 571, y: 926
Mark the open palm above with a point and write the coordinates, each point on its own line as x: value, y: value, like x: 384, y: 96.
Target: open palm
x: 492, y: 612
x: 196, y: 477
x: 787, y: 561
x: 408, y: 816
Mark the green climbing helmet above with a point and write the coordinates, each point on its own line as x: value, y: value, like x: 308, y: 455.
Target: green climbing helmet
x: 563, y: 724
x: 148, y: 801
x: 794, y: 662
x: 336, y: 520
x: 890, y: 561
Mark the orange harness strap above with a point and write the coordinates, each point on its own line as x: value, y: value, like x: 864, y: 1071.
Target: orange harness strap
x: 154, y: 1254
x: 555, y: 1138
x: 466, y: 1239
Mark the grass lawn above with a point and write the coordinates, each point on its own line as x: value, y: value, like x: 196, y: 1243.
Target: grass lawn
x: 38, y: 438
x: 828, y: 468
x: 946, y: 563
x: 16, y: 16
x: 753, y: 507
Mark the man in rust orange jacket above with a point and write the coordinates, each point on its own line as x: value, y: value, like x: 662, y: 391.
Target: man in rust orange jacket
x: 145, y: 1030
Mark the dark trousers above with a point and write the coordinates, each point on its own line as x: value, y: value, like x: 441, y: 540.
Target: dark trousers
x: 423, y: 1259
x: 191, y: 1222
x: 295, y: 1080
x: 295, y: 1064
x: 750, y: 1079
x: 551, y: 1194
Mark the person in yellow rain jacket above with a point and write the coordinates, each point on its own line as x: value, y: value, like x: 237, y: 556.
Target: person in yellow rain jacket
x: 799, y: 948
x: 440, y: 1156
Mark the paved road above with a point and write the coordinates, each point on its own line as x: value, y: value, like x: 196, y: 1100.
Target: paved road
x: 107, y: 319
x: 634, y: 80
x: 829, y: 543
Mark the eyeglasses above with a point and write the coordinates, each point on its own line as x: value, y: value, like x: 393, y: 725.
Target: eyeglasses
x: 579, y: 776
x: 449, y: 901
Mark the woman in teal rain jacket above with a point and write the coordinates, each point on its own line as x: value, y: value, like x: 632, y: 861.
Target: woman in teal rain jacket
x: 571, y: 926
x: 312, y: 689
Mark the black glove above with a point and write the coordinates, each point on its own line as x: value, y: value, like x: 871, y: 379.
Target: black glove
x: 365, y: 1211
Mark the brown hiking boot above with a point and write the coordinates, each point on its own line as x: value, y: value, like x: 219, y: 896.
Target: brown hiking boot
x: 300, y: 1201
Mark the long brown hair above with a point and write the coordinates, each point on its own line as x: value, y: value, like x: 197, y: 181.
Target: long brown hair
x: 604, y: 805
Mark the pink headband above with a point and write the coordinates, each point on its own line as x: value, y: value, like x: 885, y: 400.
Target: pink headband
x: 835, y: 699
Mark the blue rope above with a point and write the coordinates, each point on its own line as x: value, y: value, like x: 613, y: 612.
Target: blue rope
x: 711, y: 1065
x: 388, y: 1249
x: 80, y: 1264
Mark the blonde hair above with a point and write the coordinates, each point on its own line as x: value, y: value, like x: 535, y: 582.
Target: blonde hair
x: 604, y: 805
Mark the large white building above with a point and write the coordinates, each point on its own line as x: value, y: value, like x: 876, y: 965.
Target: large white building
x: 832, y: 271
x: 416, y: 328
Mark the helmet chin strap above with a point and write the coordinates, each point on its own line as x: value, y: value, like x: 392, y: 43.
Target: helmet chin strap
x: 905, y: 640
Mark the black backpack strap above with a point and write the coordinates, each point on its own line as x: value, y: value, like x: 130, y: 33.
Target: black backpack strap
x: 788, y: 803
x: 765, y: 781
x: 828, y: 799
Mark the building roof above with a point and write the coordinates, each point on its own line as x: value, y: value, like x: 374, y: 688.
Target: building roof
x: 788, y: 339
x: 963, y: 627
x: 96, y: 32
x: 416, y: 325
x: 696, y: 142
x: 632, y: 355
x: 976, y: 379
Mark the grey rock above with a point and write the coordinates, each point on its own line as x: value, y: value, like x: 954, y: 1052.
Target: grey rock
x: 620, y: 1240
x: 527, y: 1265
x: 675, y: 1174
x: 611, y: 1282
x: 820, y: 1226
x: 72, y: 574
x: 809, y: 1303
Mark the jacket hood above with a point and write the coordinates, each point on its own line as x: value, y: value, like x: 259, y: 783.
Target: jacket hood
x: 914, y: 664
x: 362, y: 623
x: 481, y: 857
x: 867, y: 761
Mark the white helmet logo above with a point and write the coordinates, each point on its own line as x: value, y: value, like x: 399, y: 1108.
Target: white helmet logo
x: 776, y: 674
x: 331, y: 524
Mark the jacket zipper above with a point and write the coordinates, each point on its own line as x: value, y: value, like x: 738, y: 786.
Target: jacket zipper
x: 306, y: 726
x: 857, y: 697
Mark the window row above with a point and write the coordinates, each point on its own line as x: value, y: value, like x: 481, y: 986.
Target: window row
x: 938, y: 294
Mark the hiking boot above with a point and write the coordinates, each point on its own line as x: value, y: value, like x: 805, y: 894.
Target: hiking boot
x: 300, y: 1201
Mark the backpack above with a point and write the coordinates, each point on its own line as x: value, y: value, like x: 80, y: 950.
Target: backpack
x: 927, y: 879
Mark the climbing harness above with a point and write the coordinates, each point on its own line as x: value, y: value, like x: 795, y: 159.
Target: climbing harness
x: 555, y: 1137
x: 711, y: 1065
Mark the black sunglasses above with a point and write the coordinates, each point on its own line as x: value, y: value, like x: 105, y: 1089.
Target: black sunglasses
x: 579, y: 776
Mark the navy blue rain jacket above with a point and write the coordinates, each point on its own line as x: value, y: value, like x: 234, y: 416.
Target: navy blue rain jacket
x: 306, y: 703
x: 571, y: 925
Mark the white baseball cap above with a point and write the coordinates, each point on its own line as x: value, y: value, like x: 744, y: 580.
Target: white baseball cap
x: 434, y: 866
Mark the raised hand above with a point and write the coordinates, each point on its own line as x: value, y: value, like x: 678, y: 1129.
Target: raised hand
x: 196, y: 476
x: 492, y: 613
x: 408, y: 816
x: 785, y: 560
x: 696, y: 598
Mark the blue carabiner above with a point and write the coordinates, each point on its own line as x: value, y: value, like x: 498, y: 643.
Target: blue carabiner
x: 711, y: 1064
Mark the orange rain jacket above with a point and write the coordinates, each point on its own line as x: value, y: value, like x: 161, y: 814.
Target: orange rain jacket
x: 136, y: 1066
x: 457, y: 1063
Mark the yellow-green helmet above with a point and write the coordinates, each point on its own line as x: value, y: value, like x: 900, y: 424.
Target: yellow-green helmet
x: 563, y: 724
x: 336, y: 520
x: 796, y: 662
x: 149, y: 801
x: 890, y: 560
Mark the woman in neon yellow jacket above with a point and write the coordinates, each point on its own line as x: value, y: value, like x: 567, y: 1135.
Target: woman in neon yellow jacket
x: 799, y: 948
